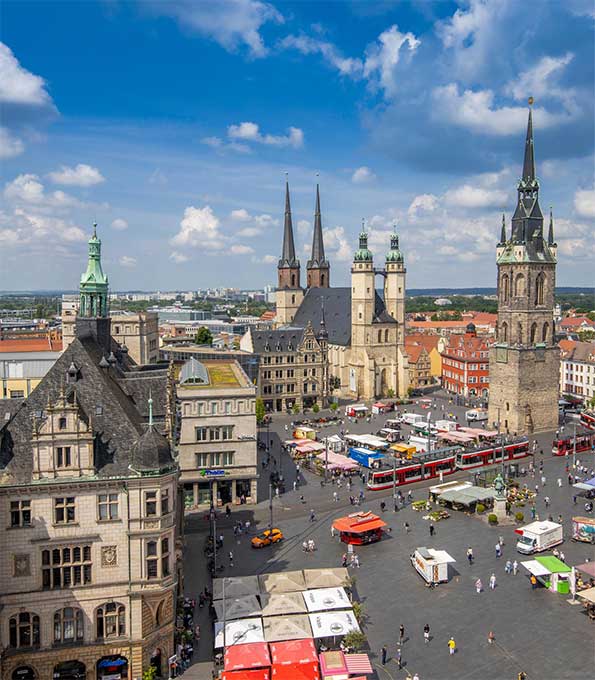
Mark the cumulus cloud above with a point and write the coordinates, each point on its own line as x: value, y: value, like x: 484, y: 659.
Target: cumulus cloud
x: 265, y: 259
x: 178, y: 257
x: 119, y: 224
x: 540, y: 80
x: 337, y: 245
x: 424, y: 203
x: 331, y: 54
x: 127, y: 261
x: 10, y: 145
x: 240, y: 249
x: 467, y: 196
x: 17, y: 85
x: 30, y: 231
x: 584, y: 202
x: 221, y: 145
x: 200, y: 227
x: 363, y: 175
x: 232, y: 24
x: 82, y: 175
x: 250, y: 132
x: 303, y: 226
x: 255, y: 224
x: 240, y: 215
x: 28, y: 189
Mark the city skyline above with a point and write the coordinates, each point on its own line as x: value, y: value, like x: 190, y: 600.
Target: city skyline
x: 174, y: 132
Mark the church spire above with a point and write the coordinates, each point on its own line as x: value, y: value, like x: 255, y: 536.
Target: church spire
x: 529, y: 161
x: 288, y: 258
x: 94, y: 283
x: 550, y: 235
x: 318, y: 266
x: 503, y: 230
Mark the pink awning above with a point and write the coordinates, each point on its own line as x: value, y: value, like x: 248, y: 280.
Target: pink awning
x: 358, y: 664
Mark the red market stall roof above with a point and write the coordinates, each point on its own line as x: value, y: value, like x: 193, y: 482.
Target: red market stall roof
x: 296, y: 671
x: 260, y: 674
x: 358, y: 523
x: 293, y: 652
x: 358, y: 663
x: 250, y: 655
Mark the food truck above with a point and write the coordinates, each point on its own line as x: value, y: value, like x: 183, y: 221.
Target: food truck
x: 404, y: 451
x: 303, y: 432
x: 431, y: 564
x: 366, y: 458
x: 356, y: 411
x: 539, y: 536
x: 389, y: 434
x: 583, y: 529
x: 359, y: 528
x: 412, y: 418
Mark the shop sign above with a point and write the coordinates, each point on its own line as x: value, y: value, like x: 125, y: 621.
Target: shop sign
x: 212, y: 473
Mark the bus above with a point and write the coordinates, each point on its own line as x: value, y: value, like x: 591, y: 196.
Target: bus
x: 585, y: 441
x: 488, y: 454
x: 588, y: 419
x: 421, y: 466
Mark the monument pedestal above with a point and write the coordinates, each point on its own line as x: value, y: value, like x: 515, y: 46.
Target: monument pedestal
x: 500, y: 509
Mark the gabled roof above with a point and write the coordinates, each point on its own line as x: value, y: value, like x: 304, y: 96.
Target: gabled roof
x: 337, y: 313
x: 31, y: 345
x: 280, y: 340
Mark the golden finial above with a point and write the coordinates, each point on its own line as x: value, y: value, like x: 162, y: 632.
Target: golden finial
x: 531, y: 100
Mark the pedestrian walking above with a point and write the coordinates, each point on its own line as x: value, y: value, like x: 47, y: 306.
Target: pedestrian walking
x: 501, y: 541
x: 493, y: 581
x: 426, y: 633
x: 491, y: 637
x: 559, y: 482
x: 546, y: 500
x: 355, y: 561
x: 401, y: 634
x: 478, y: 586
x: 498, y: 551
x: 302, y: 499
x: 383, y: 653
x: 515, y: 567
x: 231, y: 558
x: 312, y: 516
x: 398, y: 659
x: 344, y: 560
x: 406, y: 527
x: 335, y: 496
x: 470, y: 555
x: 533, y: 582
x: 543, y: 480
x: 452, y: 646
x: 332, y: 531
x: 562, y: 557
x: 432, y: 529
x: 415, y: 675
x: 294, y: 484
x: 508, y: 567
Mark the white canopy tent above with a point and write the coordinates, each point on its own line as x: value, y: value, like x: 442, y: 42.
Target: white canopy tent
x: 239, y: 632
x: 329, y: 624
x: 536, y: 568
x: 323, y: 599
x: 279, y: 628
x: 281, y: 604
x: 235, y: 586
x: 237, y: 608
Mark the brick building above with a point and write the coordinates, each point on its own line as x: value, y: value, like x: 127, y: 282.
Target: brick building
x: 465, y: 364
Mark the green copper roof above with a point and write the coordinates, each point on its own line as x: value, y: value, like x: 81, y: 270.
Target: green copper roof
x: 394, y: 254
x: 362, y: 254
x: 94, y: 283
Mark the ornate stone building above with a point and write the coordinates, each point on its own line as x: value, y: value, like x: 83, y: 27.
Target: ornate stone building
x: 525, y: 360
x: 361, y: 330
x: 89, y: 512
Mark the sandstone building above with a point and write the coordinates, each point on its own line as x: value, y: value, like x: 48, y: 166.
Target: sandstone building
x: 525, y: 360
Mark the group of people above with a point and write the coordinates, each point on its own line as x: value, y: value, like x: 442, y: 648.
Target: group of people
x: 398, y: 655
x: 351, y: 560
x: 187, y: 634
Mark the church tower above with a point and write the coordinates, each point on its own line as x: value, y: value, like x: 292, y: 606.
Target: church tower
x: 94, y: 284
x: 524, y: 361
x: 289, y: 294
x: 394, y: 286
x: 318, y: 268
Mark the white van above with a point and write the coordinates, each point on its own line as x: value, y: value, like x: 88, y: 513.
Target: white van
x: 476, y: 414
x: 412, y: 418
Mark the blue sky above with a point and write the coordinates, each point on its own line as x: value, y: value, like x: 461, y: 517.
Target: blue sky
x: 173, y: 125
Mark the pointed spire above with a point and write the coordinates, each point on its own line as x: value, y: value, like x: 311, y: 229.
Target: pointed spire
x: 323, y: 333
x: 503, y: 230
x: 528, y: 176
x: 288, y: 258
x: 550, y: 235
x: 317, y: 242
x: 150, y: 409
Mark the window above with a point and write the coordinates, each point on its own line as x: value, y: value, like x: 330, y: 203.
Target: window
x: 64, y: 510
x: 20, y: 513
x: 99, y: 410
x: 107, y: 506
x: 519, y: 285
x: 164, y: 501
x: 227, y: 432
x: 544, y: 332
x: 533, y: 332
x: 278, y: 374
x: 66, y: 566
x: 150, y: 503
x: 164, y: 557
x: 214, y: 408
x: 17, y: 394
x: 539, y: 289
x: 61, y: 423
x: 505, y: 288
x: 228, y: 407
x: 24, y: 630
x: 68, y: 625
x: 152, y: 559
x: 202, y: 460
x: 214, y: 434
x: 228, y: 458
x: 63, y: 457
x: 111, y: 620
x: 201, y: 434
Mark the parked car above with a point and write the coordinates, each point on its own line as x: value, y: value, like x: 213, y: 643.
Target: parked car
x: 267, y: 537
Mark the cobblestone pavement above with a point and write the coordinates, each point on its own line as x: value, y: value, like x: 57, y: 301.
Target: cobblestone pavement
x: 535, y: 631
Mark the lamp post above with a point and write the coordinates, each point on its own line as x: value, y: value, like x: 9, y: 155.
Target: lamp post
x: 270, y: 505
x: 326, y: 460
x: 574, y: 449
x: 212, y: 514
x: 395, y: 506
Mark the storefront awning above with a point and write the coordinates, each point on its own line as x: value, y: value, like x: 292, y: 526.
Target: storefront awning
x: 239, y: 632
x: 553, y: 564
x: 235, y: 586
x: 323, y: 599
x: 358, y: 664
x: 251, y: 655
x: 293, y: 652
x: 535, y: 568
x: 587, y: 568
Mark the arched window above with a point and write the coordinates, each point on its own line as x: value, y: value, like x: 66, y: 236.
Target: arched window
x: 292, y: 280
x: 504, y: 332
x: 545, y: 331
x: 68, y: 625
x: 23, y: 630
x: 519, y: 285
x: 379, y: 336
x: 505, y: 288
x: 533, y: 333
x: 111, y: 620
x: 322, y: 280
x: 293, y: 299
x: 539, y: 289
x: 159, y: 613
x: 386, y: 335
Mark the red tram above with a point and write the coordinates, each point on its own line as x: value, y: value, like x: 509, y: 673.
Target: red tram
x: 492, y: 454
x: 421, y: 466
x: 565, y: 445
x: 588, y: 419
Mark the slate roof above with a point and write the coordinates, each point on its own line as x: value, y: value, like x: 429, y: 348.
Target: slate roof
x: 280, y: 340
x: 111, y: 398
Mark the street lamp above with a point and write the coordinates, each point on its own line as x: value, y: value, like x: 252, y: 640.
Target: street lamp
x: 395, y: 506
x: 574, y: 449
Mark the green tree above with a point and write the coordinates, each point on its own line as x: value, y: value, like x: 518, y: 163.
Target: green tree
x: 260, y: 410
x: 150, y: 673
x: 334, y: 406
x: 295, y: 410
x: 356, y: 640
x: 315, y: 408
x: 204, y: 336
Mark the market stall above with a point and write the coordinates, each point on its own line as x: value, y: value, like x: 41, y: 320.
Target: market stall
x: 293, y: 627
x: 235, y: 586
x: 323, y: 599
x: 380, y: 407
x: 583, y: 529
x: 333, y: 624
x: 431, y: 564
x: 281, y: 604
x: 358, y: 664
x: 467, y: 497
x: 243, y: 657
x: 331, y: 577
x: 333, y: 666
x: 239, y: 632
x: 237, y: 608
x: 282, y: 582
x: 302, y: 671
x: 337, y: 461
x: 359, y: 528
x: 293, y: 652
x: 334, y: 442
x: 550, y: 572
x: 304, y: 432
x: 588, y: 598
x: 255, y: 674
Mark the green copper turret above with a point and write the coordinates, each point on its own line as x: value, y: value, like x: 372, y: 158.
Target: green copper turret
x: 94, y: 283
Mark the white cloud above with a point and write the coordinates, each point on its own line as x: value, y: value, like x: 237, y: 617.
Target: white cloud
x: 28, y: 189
x: 258, y: 222
x: 423, y: 203
x: 127, y: 261
x: 250, y: 132
x: 25, y: 228
x: 303, y: 226
x: 265, y: 259
x: 539, y: 80
x: 213, y: 142
x: 467, y: 196
x: 82, y: 175
x: 199, y: 228
x: 178, y: 258
x: 240, y: 249
x: 218, y: 144
x: 363, y: 175
x: 382, y: 57
x: 232, y: 23
x: 10, y: 146
x: 306, y: 45
x: 337, y: 245
x: 157, y: 177
x: 240, y: 215
x: 119, y: 224
x: 476, y: 111
x: 17, y: 85
x: 584, y: 202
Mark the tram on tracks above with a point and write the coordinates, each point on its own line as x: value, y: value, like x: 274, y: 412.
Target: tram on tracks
x: 588, y: 419
x: 585, y: 441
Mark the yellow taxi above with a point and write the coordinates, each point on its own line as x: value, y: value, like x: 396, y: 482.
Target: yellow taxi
x: 267, y: 537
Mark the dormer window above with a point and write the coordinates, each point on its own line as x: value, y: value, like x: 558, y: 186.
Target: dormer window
x: 61, y: 423
x: 63, y: 456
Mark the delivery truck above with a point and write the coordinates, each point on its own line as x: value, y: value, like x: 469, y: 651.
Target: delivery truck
x: 412, y: 418
x: 539, y: 536
x: 476, y: 415
x: 366, y: 458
